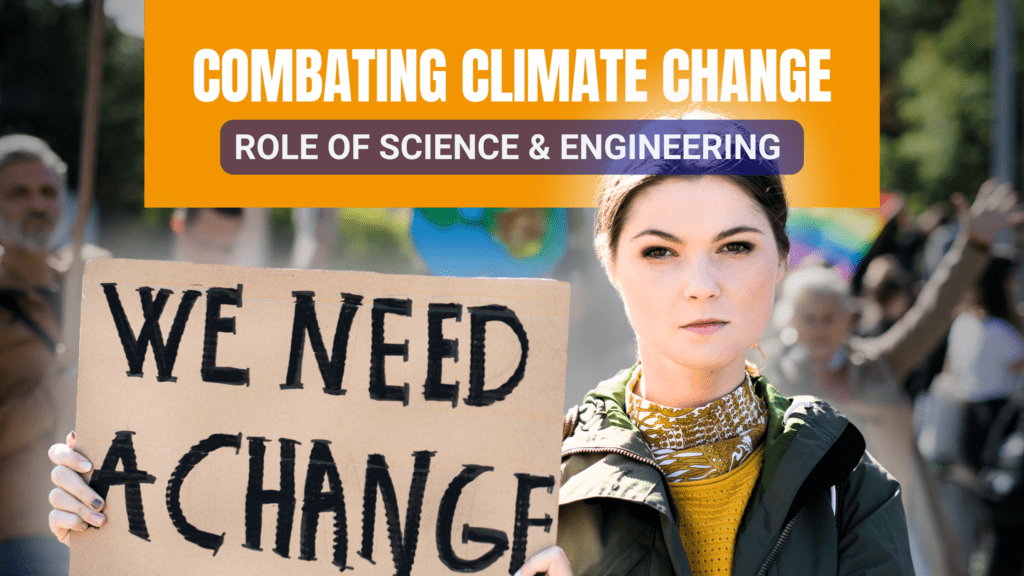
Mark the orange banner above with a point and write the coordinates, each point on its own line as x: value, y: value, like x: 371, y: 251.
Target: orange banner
x: 210, y: 63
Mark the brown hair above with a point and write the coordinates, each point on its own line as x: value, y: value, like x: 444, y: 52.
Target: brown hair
x: 616, y: 193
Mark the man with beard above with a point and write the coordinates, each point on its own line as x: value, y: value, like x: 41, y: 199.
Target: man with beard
x: 32, y: 392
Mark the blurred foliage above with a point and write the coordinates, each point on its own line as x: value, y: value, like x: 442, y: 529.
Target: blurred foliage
x: 936, y: 108
x: 373, y: 239
x: 43, y: 52
x: 157, y: 217
x: 377, y: 239
x: 281, y: 221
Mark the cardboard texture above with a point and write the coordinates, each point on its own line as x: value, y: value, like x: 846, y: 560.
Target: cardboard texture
x: 254, y: 446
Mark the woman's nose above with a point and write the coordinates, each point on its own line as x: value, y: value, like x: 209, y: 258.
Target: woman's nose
x: 701, y: 280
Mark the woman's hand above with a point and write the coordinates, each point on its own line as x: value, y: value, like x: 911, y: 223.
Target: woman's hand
x: 550, y: 560
x: 75, y: 505
x: 995, y: 208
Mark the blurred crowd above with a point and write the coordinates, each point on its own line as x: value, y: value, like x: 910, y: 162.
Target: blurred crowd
x: 920, y: 345
x: 922, y: 348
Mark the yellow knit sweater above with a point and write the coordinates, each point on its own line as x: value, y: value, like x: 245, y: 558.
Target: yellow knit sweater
x: 708, y: 513
x: 711, y: 456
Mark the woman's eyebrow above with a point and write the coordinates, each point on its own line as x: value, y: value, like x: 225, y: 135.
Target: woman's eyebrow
x: 721, y: 235
x: 660, y: 234
x: 736, y: 230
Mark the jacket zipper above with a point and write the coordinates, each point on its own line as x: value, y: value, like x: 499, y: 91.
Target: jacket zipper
x: 619, y: 451
x: 776, y: 548
x: 633, y: 456
x: 779, y: 542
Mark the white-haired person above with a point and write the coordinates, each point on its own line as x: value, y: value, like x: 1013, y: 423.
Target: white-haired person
x: 32, y: 182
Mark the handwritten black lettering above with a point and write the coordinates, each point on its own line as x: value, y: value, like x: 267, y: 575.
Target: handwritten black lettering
x: 135, y: 348
x: 194, y: 456
x: 122, y: 450
x: 379, y: 389
x: 403, y: 547
x: 332, y: 369
x: 527, y: 483
x: 315, y: 502
x: 256, y: 497
x: 439, y: 348
x: 479, y: 317
x: 446, y: 516
x: 215, y: 298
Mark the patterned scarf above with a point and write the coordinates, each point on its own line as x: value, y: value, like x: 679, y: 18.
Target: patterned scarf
x: 703, y: 442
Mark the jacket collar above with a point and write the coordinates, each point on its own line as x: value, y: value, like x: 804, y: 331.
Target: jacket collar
x: 622, y: 464
x: 808, y: 448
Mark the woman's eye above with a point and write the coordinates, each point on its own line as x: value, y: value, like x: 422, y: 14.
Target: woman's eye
x: 737, y: 247
x: 656, y: 252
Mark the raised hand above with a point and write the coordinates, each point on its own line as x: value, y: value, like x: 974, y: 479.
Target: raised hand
x: 995, y: 208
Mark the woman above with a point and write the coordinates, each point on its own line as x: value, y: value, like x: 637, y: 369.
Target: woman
x: 690, y: 461
x: 653, y: 450
x: 672, y: 467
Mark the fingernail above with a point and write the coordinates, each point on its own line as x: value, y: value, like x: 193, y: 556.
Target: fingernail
x: 97, y: 504
x: 86, y: 466
x: 73, y: 435
x: 97, y: 518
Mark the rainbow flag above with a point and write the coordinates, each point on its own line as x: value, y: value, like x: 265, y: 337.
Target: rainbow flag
x: 840, y: 236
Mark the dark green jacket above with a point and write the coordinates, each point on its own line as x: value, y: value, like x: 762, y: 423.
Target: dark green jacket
x: 616, y: 516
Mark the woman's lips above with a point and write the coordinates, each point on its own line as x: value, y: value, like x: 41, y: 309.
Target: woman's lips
x: 705, y: 327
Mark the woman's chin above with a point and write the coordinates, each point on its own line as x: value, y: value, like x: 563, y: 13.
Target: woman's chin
x: 713, y: 361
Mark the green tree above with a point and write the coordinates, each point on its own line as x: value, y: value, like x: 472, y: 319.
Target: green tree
x: 936, y: 95
x: 43, y: 51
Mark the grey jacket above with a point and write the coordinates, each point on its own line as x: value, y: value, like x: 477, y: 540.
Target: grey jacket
x: 616, y: 516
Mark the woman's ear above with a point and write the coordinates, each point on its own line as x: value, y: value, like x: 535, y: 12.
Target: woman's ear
x: 613, y: 276
x: 616, y: 285
x: 783, y: 268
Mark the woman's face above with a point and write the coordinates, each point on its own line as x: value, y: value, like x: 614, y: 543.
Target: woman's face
x: 822, y: 324
x: 697, y: 264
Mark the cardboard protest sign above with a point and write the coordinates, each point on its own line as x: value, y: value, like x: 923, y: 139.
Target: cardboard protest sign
x: 250, y: 421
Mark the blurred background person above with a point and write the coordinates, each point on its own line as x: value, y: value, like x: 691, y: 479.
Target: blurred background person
x: 242, y: 237
x: 885, y: 296
x: 237, y: 236
x: 986, y: 351
x: 984, y: 362
x: 33, y: 394
x: 316, y: 236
